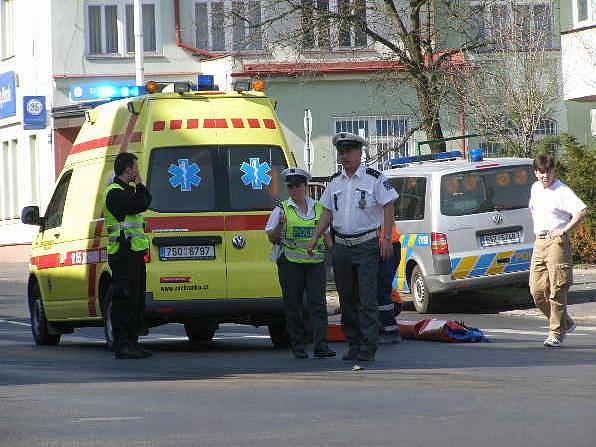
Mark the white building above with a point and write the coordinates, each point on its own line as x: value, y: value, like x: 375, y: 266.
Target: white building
x: 49, y: 46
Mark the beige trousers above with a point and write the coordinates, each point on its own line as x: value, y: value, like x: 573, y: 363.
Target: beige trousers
x: 551, y: 275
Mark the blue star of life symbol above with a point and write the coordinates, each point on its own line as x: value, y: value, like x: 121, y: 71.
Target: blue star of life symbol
x: 255, y: 173
x: 184, y: 175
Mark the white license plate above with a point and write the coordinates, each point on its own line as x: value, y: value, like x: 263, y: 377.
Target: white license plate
x: 187, y: 252
x: 492, y: 240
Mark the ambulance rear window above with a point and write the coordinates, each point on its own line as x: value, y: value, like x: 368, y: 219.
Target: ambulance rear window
x: 485, y: 190
x: 181, y: 179
x: 254, y: 181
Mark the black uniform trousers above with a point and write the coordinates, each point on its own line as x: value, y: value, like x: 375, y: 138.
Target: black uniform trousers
x: 356, y: 270
x: 128, y: 298
x: 296, y: 279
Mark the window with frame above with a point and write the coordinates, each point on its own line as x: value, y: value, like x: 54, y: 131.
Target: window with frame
x: 510, y: 27
x: 382, y: 133
x: 228, y: 25
x: 55, y: 210
x: 7, y: 28
x: 110, y: 27
x: 317, y: 28
x: 584, y: 12
x: 410, y: 203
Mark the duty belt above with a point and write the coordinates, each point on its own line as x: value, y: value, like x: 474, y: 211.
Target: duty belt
x: 542, y: 234
x: 356, y: 239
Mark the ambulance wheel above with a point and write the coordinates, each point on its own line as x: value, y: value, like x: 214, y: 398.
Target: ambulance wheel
x: 105, y: 300
x: 279, y: 335
x: 39, y: 323
x: 198, y: 334
x: 424, y: 302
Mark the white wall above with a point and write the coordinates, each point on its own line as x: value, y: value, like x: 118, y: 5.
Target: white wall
x: 26, y: 155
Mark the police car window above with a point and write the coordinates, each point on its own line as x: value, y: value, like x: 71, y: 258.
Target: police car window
x: 55, y: 209
x: 254, y: 179
x: 181, y: 179
x: 410, y: 203
x: 473, y: 192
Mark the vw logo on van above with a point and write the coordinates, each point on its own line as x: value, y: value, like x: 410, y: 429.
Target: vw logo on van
x: 239, y: 241
x: 498, y: 218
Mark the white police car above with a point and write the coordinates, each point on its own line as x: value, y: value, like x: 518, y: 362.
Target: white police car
x: 464, y: 224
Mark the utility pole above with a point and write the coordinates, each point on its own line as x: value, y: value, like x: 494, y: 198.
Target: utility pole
x: 138, y: 28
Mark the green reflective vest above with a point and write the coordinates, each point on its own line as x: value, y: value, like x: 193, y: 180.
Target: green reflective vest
x: 298, y: 232
x: 133, y: 226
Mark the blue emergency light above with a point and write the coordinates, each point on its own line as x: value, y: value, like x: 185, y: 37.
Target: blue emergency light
x: 105, y: 91
x: 476, y: 155
x: 441, y: 156
x: 205, y: 82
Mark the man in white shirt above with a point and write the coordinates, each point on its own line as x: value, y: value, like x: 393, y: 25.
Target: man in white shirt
x: 359, y: 200
x: 555, y: 210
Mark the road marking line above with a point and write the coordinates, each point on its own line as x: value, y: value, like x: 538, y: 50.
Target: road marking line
x: 109, y: 419
x: 18, y: 323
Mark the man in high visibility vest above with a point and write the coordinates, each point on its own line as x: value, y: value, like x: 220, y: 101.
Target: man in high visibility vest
x: 389, y: 331
x: 127, y: 245
x: 291, y: 225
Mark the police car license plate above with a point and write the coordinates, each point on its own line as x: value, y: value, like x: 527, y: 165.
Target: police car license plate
x: 168, y: 253
x: 492, y: 240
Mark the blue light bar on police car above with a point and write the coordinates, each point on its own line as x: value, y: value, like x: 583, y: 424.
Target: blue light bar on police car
x: 394, y: 162
x: 104, y: 91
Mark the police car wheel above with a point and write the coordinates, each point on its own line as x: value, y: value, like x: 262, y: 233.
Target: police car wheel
x: 422, y: 298
x: 39, y: 322
x: 198, y: 334
x: 279, y: 335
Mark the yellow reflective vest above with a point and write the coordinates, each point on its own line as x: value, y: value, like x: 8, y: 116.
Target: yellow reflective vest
x: 133, y: 227
x: 298, y: 232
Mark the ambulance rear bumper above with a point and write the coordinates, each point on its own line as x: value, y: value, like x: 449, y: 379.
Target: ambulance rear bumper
x: 231, y: 308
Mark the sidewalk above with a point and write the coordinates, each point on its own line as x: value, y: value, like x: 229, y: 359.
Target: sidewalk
x: 14, y: 253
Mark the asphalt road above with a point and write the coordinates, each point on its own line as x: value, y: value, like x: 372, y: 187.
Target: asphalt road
x: 239, y: 391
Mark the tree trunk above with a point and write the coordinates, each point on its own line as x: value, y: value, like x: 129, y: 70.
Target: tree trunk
x: 429, y: 101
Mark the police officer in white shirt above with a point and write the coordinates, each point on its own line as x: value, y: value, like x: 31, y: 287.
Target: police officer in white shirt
x: 555, y: 210
x: 359, y: 200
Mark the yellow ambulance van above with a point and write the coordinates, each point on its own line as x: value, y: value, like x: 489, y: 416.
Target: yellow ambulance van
x: 211, y: 161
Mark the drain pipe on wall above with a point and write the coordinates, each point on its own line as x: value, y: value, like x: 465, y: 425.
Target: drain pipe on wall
x: 186, y: 46
x: 139, y: 50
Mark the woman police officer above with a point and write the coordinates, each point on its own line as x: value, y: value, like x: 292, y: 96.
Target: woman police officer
x: 291, y: 225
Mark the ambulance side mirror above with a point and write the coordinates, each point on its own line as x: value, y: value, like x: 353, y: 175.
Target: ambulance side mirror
x: 134, y: 107
x: 30, y: 215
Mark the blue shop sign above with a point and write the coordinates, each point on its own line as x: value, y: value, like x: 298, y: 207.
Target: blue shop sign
x: 8, y: 101
x: 34, y: 112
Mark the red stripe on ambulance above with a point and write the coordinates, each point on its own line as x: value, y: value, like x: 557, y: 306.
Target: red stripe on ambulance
x: 240, y: 222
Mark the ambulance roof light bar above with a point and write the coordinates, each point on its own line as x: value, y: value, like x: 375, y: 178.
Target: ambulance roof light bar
x: 404, y: 161
x: 105, y: 91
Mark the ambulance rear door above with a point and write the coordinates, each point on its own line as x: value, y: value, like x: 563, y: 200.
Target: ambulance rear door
x: 254, y: 186
x: 185, y: 224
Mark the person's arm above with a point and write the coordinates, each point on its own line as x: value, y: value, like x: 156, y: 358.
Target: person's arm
x: 323, y: 224
x: 275, y: 225
x: 121, y: 202
x: 575, y: 221
x: 388, y: 216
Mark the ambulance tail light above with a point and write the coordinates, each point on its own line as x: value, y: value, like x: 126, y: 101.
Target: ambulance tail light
x: 147, y: 257
x: 438, y: 244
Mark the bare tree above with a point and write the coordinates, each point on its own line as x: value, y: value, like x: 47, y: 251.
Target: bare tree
x: 512, y: 89
x: 405, y: 32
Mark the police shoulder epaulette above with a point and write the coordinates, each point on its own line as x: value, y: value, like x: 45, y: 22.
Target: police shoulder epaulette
x: 334, y: 175
x: 373, y: 172
x: 278, y: 203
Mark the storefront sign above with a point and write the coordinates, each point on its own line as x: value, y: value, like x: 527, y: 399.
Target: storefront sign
x: 34, y: 112
x: 8, y: 102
